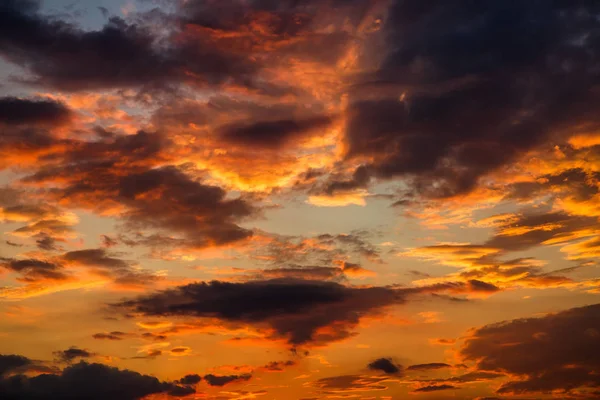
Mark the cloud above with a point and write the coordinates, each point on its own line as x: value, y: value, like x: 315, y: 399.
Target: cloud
x: 427, y: 367
x: 180, y: 351
x: 278, y: 366
x: 295, y: 310
x: 191, y: 379
x: 115, y: 335
x: 160, y: 198
x: 323, y: 249
x: 120, y: 54
x: 44, y: 112
x: 77, y: 269
x: 437, y: 122
x: 101, y: 263
x: 12, y: 362
x: 299, y: 312
x: 546, y: 354
x: 33, y: 270
x: 273, y: 134
x: 217, y: 380
x: 345, y: 271
x: 83, y: 380
x: 434, y: 388
x: 385, y: 365
x: 350, y: 383
x: 73, y: 353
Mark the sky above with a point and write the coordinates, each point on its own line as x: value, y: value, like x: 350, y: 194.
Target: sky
x: 299, y: 199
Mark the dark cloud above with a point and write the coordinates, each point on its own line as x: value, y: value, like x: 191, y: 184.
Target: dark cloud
x: 294, y: 309
x: 191, y: 379
x: 11, y: 362
x: 73, y: 353
x: 273, y: 134
x: 115, y: 335
x: 33, y: 270
x: 115, y: 174
x: 470, y: 377
x: 222, y: 380
x: 350, y: 383
x: 63, y: 56
x: 102, y: 263
x: 548, y: 354
x: 468, y: 89
x: 16, y: 111
x: 45, y: 242
x: 181, y: 198
x: 86, y: 381
x: 97, y: 261
x: 104, y: 11
x: 434, y: 388
x: 576, y: 182
x: 278, y: 366
x: 153, y: 336
x: 95, y: 257
x: 426, y: 367
x: 386, y: 365
x: 534, y: 229
x: 360, y: 179
x: 121, y: 54
x: 480, y: 286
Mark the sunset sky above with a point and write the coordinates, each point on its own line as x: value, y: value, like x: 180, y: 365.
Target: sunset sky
x: 299, y: 199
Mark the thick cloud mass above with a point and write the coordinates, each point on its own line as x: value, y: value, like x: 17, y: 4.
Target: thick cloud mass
x: 272, y: 133
x: 483, y: 83
x: 295, y: 309
x: 85, y: 381
x: 549, y: 353
x: 15, y: 111
x: 121, y: 54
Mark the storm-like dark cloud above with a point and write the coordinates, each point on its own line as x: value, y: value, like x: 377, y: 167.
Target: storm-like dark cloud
x: 17, y: 111
x: 12, y: 362
x: 465, y: 84
x: 121, y: 54
x: 294, y: 309
x: 386, y: 365
x: 272, y: 134
x: 86, y: 381
x: 547, y: 354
